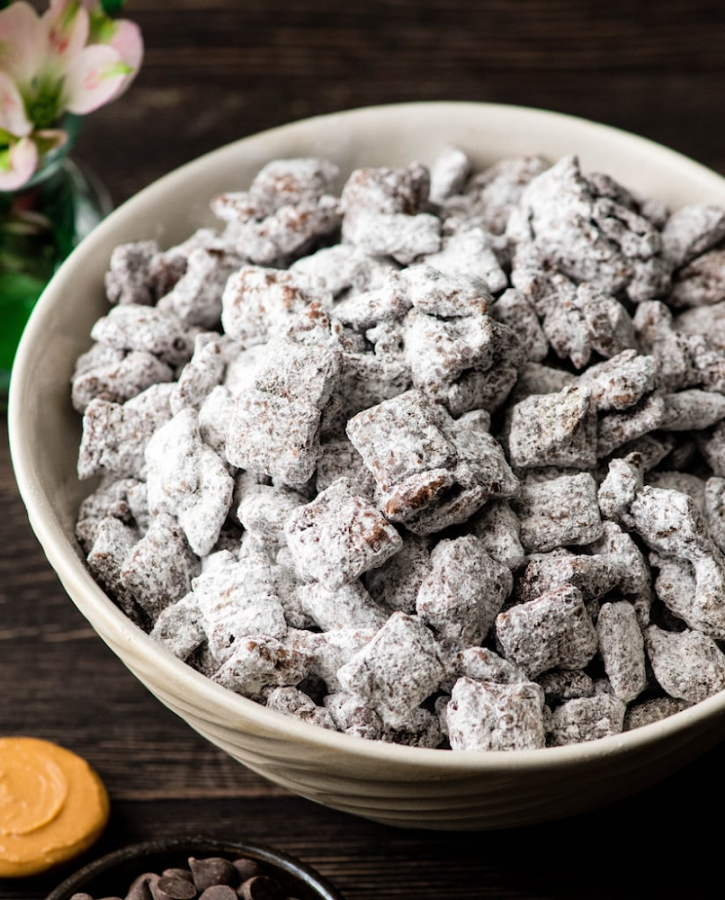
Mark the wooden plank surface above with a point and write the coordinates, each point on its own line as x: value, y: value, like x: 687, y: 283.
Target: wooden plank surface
x: 219, y: 70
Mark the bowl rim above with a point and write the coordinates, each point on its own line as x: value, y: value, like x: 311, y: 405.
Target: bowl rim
x: 86, y: 593
x: 196, y: 844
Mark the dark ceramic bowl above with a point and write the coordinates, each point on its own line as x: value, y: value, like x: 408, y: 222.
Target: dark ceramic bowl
x: 112, y: 875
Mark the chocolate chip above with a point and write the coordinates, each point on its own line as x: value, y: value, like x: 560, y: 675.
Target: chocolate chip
x: 173, y: 887
x: 179, y: 873
x: 141, y: 887
x: 261, y: 887
x: 212, y: 871
x: 219, y: 892
x: 81, y: 897
x: 247, y: 868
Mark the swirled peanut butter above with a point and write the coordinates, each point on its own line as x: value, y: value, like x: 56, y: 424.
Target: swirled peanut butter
x: 52, y: 806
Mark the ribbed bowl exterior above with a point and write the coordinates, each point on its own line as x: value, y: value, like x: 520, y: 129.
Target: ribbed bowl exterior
x: 392, y: 784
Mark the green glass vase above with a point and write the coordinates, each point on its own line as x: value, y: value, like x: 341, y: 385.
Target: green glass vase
x: 40, y: 224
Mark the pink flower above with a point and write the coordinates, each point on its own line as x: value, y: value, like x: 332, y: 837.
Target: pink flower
x: 17, y: 163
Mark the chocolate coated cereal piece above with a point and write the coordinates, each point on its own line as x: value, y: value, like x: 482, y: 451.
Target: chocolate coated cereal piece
x: 109, y: 499
x: 480, y: 664
x: 709, y: 320
x: 396, y: 670
x: 395, y: 584
x: 534, y: 378
x: 619, y: 488
x: 553, y: 631
x: 645, y: 712
x: 701, y: 283
x: 114, y: 541
x: 620, y: 382
x: 689, y: 665
x: 120, y: 380
x: 586, y: 719
x: 202, y: 373
x: 559, y: 512
x: 256, y: 663
x: 444, y: 294
x: 692, y: 410
x: 215, y: 412
x: 554, y: 430
x: 617, y: 428
x: 386, y: 304
x: 339, y: 459
x: 330, y: 650
x: 622, y: 647
x: 338, y: 536
x: 351, y: 715
x: 670, y: 523
x: 147, y: 329
x: 691, y: 231
x: 342, y: 267
x: 128, y: 277
x: 633, y: 573
x: 514, y: 310
x: 349, y: 607
x: 263, y: 511
x: 561, y: 685
x: 292, y: 702
x: 297, y: 371
x: 259, y: 304
x: 497, y: 526
x: 463, y: 592
x: 448, y: 174
x: 178, y: 627
x: 469, y: 250
x: 488, y: 716
x: 420, y: 728
x: 113, y: 442
x: 594, y: 576
x: 159, y: 569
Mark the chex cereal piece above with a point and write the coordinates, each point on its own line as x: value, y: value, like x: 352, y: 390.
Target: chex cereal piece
x: 353, y: 716
x: 114, y: 541
x: 619, y: 488
x: 420, y: 728
x: 633, y: 573
x: 448, y: 174
x: 330, y: 650
x: 178, y: 627
x: 620, y: 382
x: 534, y: 378
x: 463, y: 592
x: 119, y: 380
x: 586, y: 719
x: 339, y: 459
x: 139, y: 505
x: 701, y: 283
x: 338, y: 536
x: 497, y: 526
x: 537, y: 279
x: 487, y: 716
x: 712, y: 447
x: 367, y: 379
x: 260, y: 662
x: 203, y: 372
x: 114, y: 440
x: 292, y: 702
x: 287, y: 207
x: 645, y: 712
x: 396, y: 670
x: 514, y: 310
x: 561, y: 685
x: 553, y: 631
x: 689, y: 665
x: 109, y: 499
x: 633, y: 233
x: 558, y: 512
x: 344, y: 266
x: 215, y: 412
x: 159, y: 569
x: 128, y: 277
x: 622, y: 647
x: 297, y: 371
x: 670, y: 523
x: 691, y: 231
x: 238, y: 598
x: 692, y: 410
x: 386, y: 304
x: 398, y: 235
x: 714, y: 509
x: 617, y: 428
x: 554, y: 430
x: 196, y: 298
x: 481, y: 664
x: 147, y: 329
x: 684, y: 482
x: 395, y: 584
x: 709, y: 320
x: 275, y: 436
x: 470, y: 250
x: 263, y: 511
x: 349, y: 607
x: 259, y: 304
x: 444, y: 294
x: 693, y: 592
x: 402, y: 444
x: 594, y: 576
x: 188, y: 480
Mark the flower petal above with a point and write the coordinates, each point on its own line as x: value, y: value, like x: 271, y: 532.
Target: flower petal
x: 13, y: 117
x: 128, y: 41
x: 22, y: 42
x: 17, y: 164
x: 67, y: 26
x: 95, y: 77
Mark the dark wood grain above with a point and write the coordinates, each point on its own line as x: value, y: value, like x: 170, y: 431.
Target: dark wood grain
x: 216, y: 71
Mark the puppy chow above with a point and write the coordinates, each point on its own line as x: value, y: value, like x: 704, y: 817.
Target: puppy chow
x: 489, y: 716
x: 586, y: 719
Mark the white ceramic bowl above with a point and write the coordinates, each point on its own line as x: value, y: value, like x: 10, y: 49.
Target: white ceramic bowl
x: 389, y: 783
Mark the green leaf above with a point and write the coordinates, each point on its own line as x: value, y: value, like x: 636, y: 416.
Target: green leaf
x: 112, y: 7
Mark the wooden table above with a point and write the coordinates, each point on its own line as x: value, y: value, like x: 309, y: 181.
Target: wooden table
x: 219, y: 70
